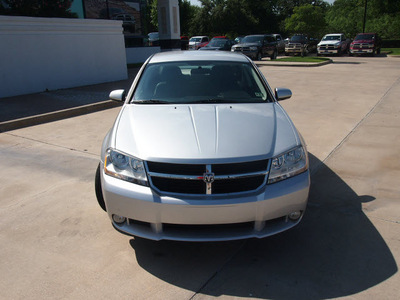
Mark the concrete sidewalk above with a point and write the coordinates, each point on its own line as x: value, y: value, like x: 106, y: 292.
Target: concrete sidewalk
x: 27, y: 110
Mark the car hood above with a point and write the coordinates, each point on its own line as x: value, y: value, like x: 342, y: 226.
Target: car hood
x: 177, y: 133
x: 211, y: 48
x: 247, y: 45
x: 329, y: 42
x: 363, y: 42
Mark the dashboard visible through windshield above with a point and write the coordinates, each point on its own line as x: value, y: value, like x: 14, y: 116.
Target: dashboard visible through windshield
x: 200, y: 82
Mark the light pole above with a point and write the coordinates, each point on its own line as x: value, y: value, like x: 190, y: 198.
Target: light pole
x: 365, y: 15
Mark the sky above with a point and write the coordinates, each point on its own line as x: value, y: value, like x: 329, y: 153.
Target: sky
x: 196, y: 2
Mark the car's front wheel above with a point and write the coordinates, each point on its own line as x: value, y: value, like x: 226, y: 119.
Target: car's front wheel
x: 99, y: 192
x: 259, y: 56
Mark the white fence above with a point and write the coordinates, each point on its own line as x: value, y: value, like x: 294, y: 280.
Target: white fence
x: 52, y: 53
x: 140, y: 54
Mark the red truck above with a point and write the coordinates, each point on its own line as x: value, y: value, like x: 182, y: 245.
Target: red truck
x: 366, y: 43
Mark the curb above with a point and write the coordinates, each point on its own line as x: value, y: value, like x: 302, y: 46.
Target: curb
x: 292, y: 64
x: 57, y: 115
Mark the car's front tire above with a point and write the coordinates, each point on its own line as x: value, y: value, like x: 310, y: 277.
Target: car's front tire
x: 99, y: 192
x: 259, y: 56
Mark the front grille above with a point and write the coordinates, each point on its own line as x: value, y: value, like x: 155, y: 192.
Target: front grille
x: 327, y: 47
x: 199, y: 179
x: 361, y: 46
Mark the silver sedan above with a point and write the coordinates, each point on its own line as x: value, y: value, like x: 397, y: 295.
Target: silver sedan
x: 202, y: 151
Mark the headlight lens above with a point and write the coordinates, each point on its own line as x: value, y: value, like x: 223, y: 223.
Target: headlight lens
x: 253, y: 48
x: 288, y: 165
x: 125, y: 167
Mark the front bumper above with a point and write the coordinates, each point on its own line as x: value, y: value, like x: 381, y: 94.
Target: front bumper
x: 362, y: 51
x: 293, y: 50
x: 328, y: 51
x: 211, y: 218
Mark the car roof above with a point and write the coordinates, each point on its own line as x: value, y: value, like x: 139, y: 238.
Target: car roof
x: 259, y: 35
x: 176, y: 56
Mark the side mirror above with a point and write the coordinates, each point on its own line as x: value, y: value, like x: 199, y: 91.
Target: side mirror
x: 117, y: 95
x: 282, y: 94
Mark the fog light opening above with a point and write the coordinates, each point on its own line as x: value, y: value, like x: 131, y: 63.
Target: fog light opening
x: 295, y: 215
x: 118, y: 219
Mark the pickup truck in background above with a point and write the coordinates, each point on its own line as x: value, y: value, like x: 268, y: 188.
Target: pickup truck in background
x: 333, y: 43
x: 366, y: 43
x: 300, y: 44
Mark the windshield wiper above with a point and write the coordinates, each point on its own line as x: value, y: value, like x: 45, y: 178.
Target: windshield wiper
x: 216, y: 100
x: 151, y: 101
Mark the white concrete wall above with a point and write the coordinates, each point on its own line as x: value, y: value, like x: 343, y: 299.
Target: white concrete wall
x: 140, y: 54
x: 52, y: 53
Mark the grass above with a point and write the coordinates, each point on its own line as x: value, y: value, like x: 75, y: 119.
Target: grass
x: 391, y: 51
x: 306, y: 59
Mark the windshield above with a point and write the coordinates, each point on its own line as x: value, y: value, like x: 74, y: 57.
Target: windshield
x: 217, y: 43
x: 364, y: 37
x: 298, y: 38
x: 331, y: 38
x: 253, y: 39
x: 200, y: 82
x: 153, y: 35
x: 195, y: 39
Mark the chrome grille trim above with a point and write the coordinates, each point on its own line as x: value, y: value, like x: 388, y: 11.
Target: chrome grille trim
x: 209, y: 179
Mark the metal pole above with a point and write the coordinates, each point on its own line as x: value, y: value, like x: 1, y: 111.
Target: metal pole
x: 365, y: 15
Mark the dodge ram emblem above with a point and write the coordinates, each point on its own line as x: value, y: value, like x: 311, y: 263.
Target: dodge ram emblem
x: 208, y: 177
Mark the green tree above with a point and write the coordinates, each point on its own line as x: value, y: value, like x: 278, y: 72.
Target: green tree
x: 308, y: 19
x: 38, y: 8
x: 383, y: 17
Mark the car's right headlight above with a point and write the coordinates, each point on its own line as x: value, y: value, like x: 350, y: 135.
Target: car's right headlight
x: 288, y: 165
x: 253, y: 48
x: 125, y: 167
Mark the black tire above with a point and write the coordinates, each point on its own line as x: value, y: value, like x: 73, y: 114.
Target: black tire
x: 273, y: 56
x: 259, y: 56
x: 97, y: 187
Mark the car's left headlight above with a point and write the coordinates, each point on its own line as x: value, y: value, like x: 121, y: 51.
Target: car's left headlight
x: 125, y: 167
x: 288, y: 165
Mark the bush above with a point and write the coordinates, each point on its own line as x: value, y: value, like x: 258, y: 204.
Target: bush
x: 390, y: 43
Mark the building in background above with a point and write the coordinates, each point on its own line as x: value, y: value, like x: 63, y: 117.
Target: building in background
x: 127, y: 11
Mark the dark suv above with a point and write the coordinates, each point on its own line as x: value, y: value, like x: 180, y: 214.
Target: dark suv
x: 257, y: 46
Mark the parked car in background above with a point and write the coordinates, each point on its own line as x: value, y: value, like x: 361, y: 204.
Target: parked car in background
x: 128, y: 21
x: 300, y: 44
x: 202, y: 150
x: 333, y: 43
x: 238, y: 39
x: 154, y: 39
x: 280, y: 43
x: 219, y: 44
x: 257, y: 46
x: 366, y: 43
x: 196, y: 42
x: 184, y: 42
